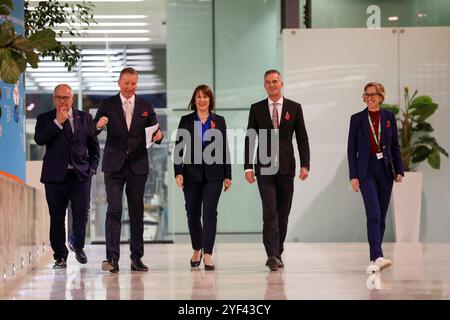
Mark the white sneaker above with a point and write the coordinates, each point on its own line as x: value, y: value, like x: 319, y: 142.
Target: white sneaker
x: 383, y: 263
x: 374, y: 281
x: 372, y: 268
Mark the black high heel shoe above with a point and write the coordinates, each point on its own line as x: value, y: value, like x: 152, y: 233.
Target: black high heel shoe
x: 209, y: 267
x: 196, y: 264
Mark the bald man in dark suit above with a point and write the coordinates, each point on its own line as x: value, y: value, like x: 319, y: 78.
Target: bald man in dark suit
x: 71, y: 158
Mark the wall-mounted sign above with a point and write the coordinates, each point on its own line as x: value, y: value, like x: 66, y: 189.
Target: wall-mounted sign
x: 12, y: 113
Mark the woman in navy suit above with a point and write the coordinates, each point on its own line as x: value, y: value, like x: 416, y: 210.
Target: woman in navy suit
x: 374, y: 161
x: 202, y: 166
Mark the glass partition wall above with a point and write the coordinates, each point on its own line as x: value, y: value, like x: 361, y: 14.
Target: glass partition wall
x: 226, y: 44
x: 128, y: 34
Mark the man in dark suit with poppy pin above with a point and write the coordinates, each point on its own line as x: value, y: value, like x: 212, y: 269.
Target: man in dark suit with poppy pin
x: 125, y: 164
x: 274, y: 121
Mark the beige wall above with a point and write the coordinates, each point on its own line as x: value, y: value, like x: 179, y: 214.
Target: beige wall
x: 24, y: 229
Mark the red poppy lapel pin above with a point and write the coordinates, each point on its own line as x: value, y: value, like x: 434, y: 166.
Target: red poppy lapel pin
x: 287, y: 116
x: 213, y: 124
x: 388, y: 124
x: 145, y: 114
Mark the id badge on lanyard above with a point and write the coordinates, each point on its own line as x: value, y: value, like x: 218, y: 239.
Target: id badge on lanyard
x: 375, y: 137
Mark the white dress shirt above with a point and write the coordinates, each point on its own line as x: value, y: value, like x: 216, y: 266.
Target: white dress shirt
x: 279, y: 107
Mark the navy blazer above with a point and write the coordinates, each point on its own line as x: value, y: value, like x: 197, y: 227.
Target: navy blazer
x: 358, y: 149
x: 119, y: 140
x: 192, y: 172
x: 83, y: 148
x: 291, y: 121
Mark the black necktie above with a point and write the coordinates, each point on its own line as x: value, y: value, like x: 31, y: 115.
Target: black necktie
x: 67, y: 129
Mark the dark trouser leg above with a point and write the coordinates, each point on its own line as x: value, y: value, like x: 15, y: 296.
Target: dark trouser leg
x: 384, y: 186
x: 80, y: 198
x: 135, y: 196
x: 369, y: 191
x: 57, y: 195
x: 268, y: 191
x: 285, y: 192
x: 210, y: 199
x: 193, y: 199
x: 114, y: 183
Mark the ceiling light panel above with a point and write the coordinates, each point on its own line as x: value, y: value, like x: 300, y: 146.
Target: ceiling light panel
x: 126, y: 34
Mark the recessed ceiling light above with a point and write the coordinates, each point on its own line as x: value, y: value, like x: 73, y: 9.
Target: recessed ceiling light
x: 122, y: 16
x: 51, y: 69
x: 131, y: 31
x: 104, y: 39
x: 93, y: 0
x: 106, y: 24
x: 114, y: 51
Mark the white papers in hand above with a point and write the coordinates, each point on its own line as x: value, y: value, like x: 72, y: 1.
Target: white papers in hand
x: 149, y: 131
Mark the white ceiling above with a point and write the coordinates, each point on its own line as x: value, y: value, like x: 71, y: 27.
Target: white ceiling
x: 127, y: 33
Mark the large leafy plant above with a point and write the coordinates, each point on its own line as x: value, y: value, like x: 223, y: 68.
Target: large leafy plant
x: 416, y: 142
x: 69, y: 19
x: 16, y: 51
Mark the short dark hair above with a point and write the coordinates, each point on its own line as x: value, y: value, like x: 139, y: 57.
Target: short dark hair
x: 128, y: 70
x: 206, y: 90
x: 270, y: 71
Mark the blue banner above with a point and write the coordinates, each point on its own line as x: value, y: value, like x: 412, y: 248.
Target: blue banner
x: 12, y: 113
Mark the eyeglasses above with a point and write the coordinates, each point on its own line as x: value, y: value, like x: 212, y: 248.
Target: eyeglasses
x: 366, y: 95
x: 62, y: 98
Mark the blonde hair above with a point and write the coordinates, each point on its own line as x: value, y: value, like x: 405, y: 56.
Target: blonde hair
x: 379, y: 87
x: 128, y: 70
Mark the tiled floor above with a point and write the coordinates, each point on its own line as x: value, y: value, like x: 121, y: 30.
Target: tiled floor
x: 313, y: 271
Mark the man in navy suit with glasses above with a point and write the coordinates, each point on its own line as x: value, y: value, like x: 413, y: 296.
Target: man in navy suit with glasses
x: 71, y: 158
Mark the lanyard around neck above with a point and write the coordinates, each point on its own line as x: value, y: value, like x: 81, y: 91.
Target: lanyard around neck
x: 375, y: 137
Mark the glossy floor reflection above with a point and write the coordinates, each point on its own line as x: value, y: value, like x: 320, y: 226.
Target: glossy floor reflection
x: 313, y: 271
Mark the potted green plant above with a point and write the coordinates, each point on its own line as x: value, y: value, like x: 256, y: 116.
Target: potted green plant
x: 416, y: 142
x: 417, y: 145
x: 39, y: 40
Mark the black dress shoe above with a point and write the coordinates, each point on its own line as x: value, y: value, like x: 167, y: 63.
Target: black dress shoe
x: 79, y: 254
x: 60, y: 263
x: 280, y: 263
x: 138, y: 265
x: 110, y: 265
x: 272, y: 263
x: 196, y: 264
